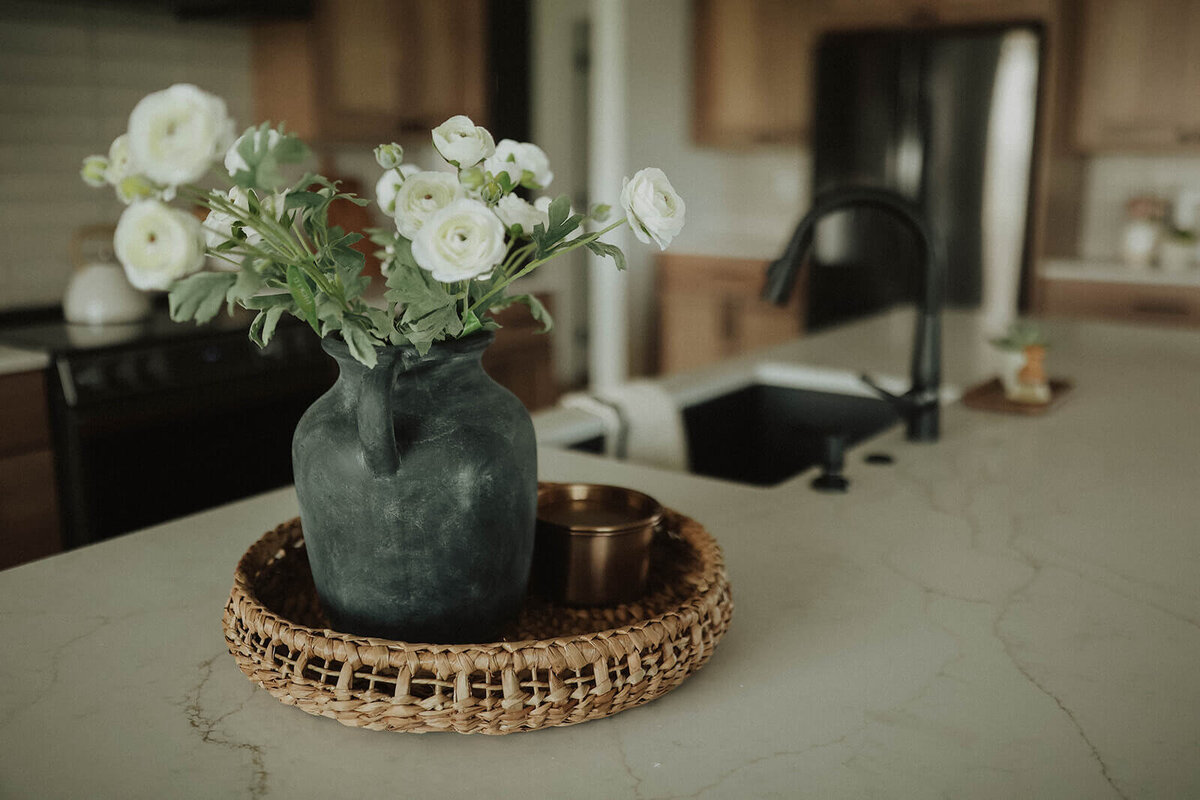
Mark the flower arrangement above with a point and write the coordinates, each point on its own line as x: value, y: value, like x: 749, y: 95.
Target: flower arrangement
x: 461, y: 237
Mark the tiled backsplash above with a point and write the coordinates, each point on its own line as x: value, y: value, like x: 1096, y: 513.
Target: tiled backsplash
x: 1113, y: 179
x: 69, y: 76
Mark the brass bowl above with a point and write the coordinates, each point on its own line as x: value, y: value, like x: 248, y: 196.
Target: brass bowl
x: 593, y: 543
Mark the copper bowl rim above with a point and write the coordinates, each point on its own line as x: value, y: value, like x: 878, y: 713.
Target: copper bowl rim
x: 579, y: 491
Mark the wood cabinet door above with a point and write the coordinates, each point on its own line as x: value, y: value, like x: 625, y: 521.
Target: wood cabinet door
x: 363, y: 71
x: 445, y: 62
x: 709, y: 309
x: 1137, y: 84
x: 753, y: 74
x: 361, y: 60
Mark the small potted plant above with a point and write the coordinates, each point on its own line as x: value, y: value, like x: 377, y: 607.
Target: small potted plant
x: 416, y: 473
x: 1024, y: 372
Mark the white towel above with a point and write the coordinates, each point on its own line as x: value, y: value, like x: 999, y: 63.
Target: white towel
x: 653, y: 431
x: 607, y: 413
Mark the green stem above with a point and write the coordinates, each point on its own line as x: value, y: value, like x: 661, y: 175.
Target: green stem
x: 531, y: 266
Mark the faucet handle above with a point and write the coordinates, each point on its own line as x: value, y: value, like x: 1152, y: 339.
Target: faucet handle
x: 919, y: 408
x: 902, y: 402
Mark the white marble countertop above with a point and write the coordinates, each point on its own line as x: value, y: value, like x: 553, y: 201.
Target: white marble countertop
x: 13, y: 359
x: 1116, y: 272
x: 1013, y: 611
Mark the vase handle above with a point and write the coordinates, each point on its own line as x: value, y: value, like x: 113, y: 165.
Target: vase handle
x: 376, y: 426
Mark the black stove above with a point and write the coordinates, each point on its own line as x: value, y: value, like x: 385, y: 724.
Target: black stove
x: 159, y: 419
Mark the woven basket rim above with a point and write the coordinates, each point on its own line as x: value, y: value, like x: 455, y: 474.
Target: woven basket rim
x: 290, y: 533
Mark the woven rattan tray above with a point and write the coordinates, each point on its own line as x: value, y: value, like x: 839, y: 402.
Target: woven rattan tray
x: 556, y: 666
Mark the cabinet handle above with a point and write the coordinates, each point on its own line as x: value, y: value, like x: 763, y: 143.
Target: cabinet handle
x: 1152, y: 307
x: 1189, y: 137
x: 729, y: 321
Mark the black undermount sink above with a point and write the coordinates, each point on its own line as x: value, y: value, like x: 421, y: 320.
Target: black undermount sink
x: 763, y: 434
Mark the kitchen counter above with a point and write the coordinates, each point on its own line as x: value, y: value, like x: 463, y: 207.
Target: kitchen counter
x: 1013, y: 611
x: 15, y: 359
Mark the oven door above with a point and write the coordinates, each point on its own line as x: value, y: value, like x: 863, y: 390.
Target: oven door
x: 161, y: 432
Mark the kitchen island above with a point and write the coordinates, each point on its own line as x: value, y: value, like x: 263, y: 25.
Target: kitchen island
x: 1013, y: 611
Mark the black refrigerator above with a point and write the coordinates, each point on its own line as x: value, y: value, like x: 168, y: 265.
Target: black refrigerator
x: 946, y: 117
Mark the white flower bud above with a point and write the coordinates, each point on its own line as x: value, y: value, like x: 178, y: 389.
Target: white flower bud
x: 94, y: 171
x: 513, y: 210
x: 463, y: 143
x: 389, y: 156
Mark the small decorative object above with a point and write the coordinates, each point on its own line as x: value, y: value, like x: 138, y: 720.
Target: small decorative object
x: 98, y: 292
x: 553, y: 665
x: 416, y: 474
x: 593, y: 543
x: 1143, y: 230
x: 1024, y: 373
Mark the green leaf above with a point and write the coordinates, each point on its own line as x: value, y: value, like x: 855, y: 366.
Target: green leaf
x: 560, y: 209
x: 199, y: 296
x: 471, y: 324
x: 282, y: 300
x: 611, y: 250
x: 419, y: 293
x: 248, y: 284
x: 361, y: 346
x: 302, y: 293
x: 303, y: 199
x: 291, y: 150
x: 268, y: 331
x: 262, y: 329
x: 536, y: 309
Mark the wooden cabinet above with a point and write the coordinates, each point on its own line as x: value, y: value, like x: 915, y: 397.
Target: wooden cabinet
x: 1128, y: 302
x: 753, y: 60
x: 1140, y: 69
x: 709, y: 309
x: 29, y: 524
x: 521, y: 360
x: 753, y: 79
x: 364, y: 71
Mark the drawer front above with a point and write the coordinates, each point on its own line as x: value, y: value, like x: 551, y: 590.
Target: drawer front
x: 25, y: 424
x: 1155, y: 305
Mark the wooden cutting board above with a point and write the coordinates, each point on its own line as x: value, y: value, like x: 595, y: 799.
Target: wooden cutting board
x: 989, y: 396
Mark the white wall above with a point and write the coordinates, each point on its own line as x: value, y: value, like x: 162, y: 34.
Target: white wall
x: 69, y: 76
x: 1110, y: 180
x: 739, y: 203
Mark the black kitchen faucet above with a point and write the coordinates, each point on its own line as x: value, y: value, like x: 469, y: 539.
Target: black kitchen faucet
x: 919, y: 405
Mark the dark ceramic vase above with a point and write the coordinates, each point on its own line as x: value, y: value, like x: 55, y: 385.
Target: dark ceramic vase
x: 417, y: 482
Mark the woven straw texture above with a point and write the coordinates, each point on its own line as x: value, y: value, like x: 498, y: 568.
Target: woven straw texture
x: 556, y: 666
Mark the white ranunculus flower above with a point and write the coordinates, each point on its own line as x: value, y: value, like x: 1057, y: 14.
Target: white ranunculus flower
x: 264, y: 142
x: 120, y: 160
x: 504, y: 161
x: 654, y: 210
x: 513, y: 210
x: 523, y: 161
x: 389, y: 184
x: 464, y: 240
x: 420, y: 196
x: 177, y: 134
x: 94, y: 170
x: 158, y: 244
x: 218, y: 225
x: 462, y: 142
